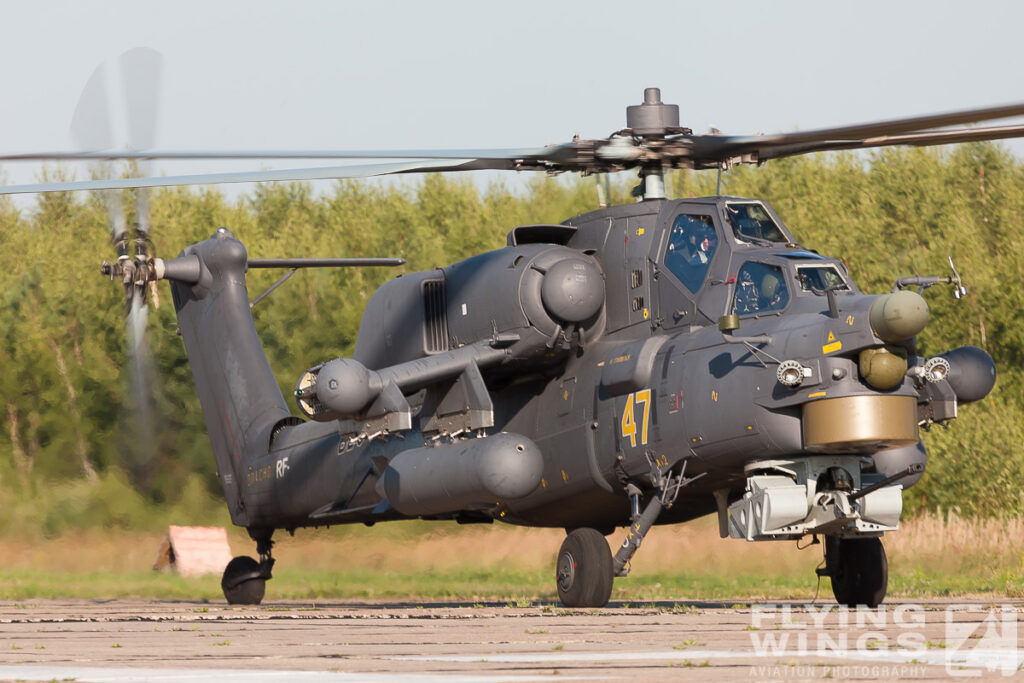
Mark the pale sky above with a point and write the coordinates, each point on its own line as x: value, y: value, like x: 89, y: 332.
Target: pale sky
x: 453, y: 74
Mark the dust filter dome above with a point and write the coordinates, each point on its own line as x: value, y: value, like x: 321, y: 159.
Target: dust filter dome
x: 573, y: 290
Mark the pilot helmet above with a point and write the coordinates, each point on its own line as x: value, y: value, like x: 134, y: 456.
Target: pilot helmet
x: 770, y: 284
x: 712, y: 237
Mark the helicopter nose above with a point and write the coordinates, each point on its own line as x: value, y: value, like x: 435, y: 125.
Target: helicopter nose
x: 898, y: 316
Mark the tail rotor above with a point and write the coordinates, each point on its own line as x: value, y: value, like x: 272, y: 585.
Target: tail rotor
x: 140, y: 71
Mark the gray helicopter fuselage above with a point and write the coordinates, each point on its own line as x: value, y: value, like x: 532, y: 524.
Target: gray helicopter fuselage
x: 636, y: 365
x: 597, y: 394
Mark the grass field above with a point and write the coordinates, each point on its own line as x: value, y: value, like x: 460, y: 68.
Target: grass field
x: 419, y: 561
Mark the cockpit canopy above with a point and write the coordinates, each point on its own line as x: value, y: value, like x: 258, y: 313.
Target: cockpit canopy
x: 762, y: 287
x: 759, y: 288
x: 733, y: 255
x: 691, y: 246
x: 820, y: 278
x: 687, y: 262
x: 752, y: 224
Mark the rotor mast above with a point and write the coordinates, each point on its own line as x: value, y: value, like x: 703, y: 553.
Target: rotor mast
x: 652, y: 120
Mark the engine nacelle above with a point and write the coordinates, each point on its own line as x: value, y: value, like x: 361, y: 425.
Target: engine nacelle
x: 549, y: 296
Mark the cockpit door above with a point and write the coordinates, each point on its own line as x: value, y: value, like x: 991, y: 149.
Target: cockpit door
x: 675, y: 308
x: 684, y: 261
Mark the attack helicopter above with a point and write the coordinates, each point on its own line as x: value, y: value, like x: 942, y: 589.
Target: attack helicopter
x: 634, y: 366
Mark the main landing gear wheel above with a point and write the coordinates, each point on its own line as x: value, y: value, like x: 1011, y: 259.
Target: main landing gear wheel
x: 584, y: 569
x: 243, y: 581
x: 858, y: 569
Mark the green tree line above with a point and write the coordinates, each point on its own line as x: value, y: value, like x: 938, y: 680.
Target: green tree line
x: 68, y: 455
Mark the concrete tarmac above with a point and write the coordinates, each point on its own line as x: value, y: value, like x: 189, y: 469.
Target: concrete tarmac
x: 127, y: 641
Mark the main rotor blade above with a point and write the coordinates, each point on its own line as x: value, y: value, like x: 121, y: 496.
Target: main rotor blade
x: 325, y: 173
x: 941, y: 137
x: 541, y: 153
x: 698, y: 151
x: 715, y: 148
x: 892, y: 126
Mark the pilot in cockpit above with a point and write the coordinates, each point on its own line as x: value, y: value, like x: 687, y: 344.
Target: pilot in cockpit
x: 702, y: 246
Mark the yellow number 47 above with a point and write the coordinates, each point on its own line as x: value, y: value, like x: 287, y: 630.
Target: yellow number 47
x: 629, y: 421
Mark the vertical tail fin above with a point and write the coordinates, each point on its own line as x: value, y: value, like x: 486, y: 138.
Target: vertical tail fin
x: 241, y: 401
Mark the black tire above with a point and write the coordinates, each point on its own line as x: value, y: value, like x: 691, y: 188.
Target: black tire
x: 860, y: 573
x: 584, y: 569
x: 243, y: 582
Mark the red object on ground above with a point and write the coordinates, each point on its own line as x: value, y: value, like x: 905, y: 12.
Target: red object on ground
x: 194, y: 550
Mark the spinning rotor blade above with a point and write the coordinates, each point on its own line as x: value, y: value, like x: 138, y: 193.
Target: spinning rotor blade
x: 141, y: 69
x: 115, y: 216
x: 653, y: 142
x: 325, y: 173
x: 91, y: 129
x: 896, y: 126
x: 90, y: 125
x: 138, y: 430
x: 941, y: 137
x: 709, y: 150
x: 526, y: 153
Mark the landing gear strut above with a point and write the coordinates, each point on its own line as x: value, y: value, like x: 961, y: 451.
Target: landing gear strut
x: 858, y: 569
x: 245, y: 580
x: 586, y: 569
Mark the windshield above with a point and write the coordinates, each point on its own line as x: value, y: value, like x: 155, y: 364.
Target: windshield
x: 760, y: 288
x: 818, y: 278
x: 751, y: 223
x: 691, y: 247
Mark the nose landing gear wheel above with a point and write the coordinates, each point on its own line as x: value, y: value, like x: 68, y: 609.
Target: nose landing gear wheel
x: 243, y: 582
x: 858, y: 569
x: 584, y: 569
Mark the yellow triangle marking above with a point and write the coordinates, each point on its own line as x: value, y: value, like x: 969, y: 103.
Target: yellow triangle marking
x: 831, y: 337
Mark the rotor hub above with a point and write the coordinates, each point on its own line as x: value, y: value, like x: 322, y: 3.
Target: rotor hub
x: 653, y: 118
